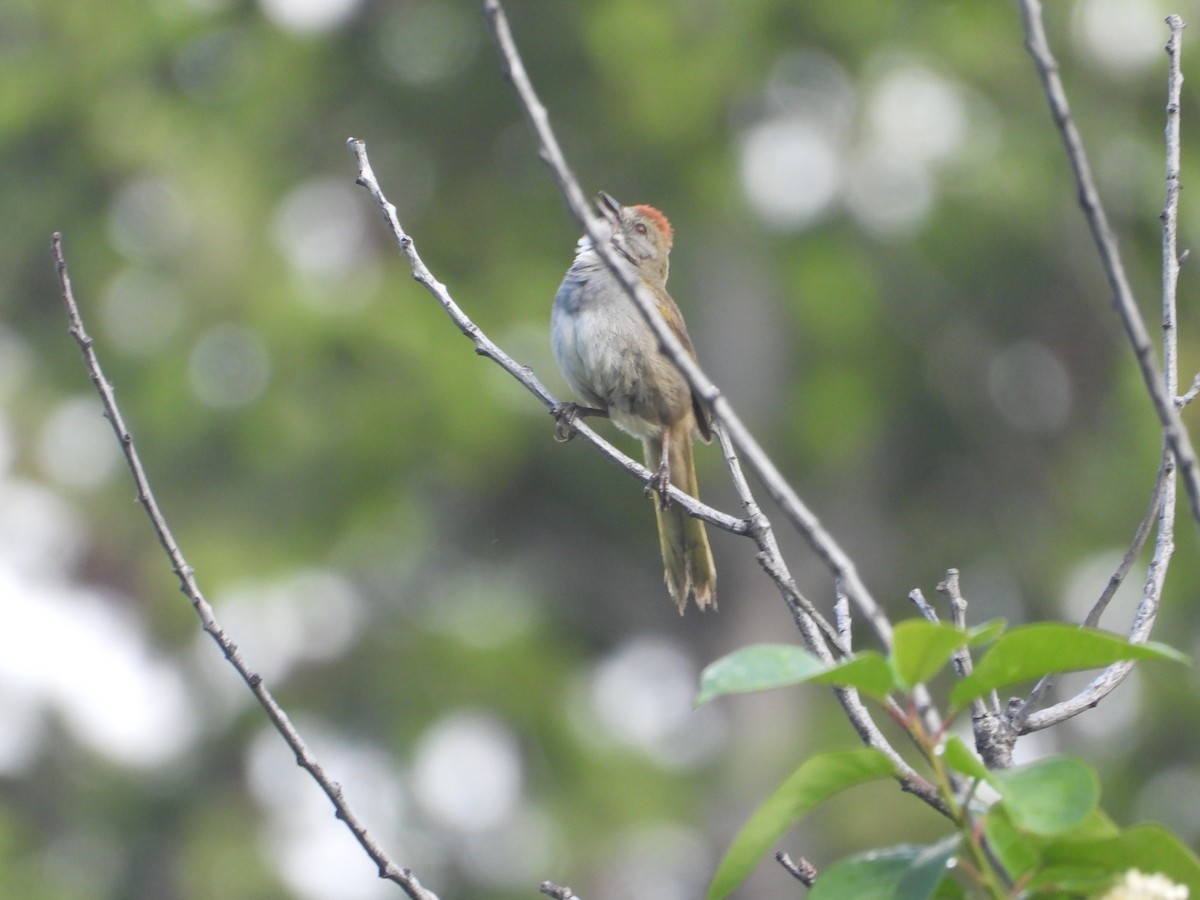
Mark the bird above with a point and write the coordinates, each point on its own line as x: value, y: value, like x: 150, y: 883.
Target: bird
x: 613, y: 362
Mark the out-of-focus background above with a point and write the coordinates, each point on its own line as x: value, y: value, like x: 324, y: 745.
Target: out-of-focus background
x: 881, y: 262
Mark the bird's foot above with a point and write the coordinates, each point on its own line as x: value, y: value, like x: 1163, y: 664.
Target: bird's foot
x: 660, y: 486
x: 565, y: 416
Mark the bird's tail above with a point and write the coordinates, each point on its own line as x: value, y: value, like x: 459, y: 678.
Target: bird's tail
x: 687, y: 559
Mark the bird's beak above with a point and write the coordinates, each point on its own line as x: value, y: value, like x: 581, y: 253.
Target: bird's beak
x: 609, y: 208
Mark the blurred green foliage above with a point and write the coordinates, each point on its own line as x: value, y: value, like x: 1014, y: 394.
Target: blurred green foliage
x: 928, y: 352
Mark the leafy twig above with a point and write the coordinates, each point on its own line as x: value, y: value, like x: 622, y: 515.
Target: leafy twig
x: 208, y: 621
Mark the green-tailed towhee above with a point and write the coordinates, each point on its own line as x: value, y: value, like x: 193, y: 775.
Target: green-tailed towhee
x: 612, y: 361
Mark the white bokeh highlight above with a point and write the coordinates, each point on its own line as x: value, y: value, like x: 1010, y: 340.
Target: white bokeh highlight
x: 791, y: 171
x: 309, y: 16
x: 467, y: 772
x: 1122, y: 34
x: 321, y: 229
x: 74, y: 653
x: 642, y: 696
x: 77, y: 447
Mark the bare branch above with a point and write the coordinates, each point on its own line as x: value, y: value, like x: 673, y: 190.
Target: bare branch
x: 1162, y: 396
x: 550, y: 889
x: 1163, y: 497
x: 805, y: 521
x: 771, y: 559
x: 1165, y: 470
x: 1184, y: 399
x: 388, y: 870
x: 1170, y: 213
x: 841, y: 615
x: 803, y: 871
x: 917, y: 598
x: 950, y: 588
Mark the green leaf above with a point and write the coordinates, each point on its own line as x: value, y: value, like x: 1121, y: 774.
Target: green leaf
x: 1035, y: 650
x: 987, y: 632
x: 1050, y: 796
x: 929, y: 868
x: 913, y: 873
x: 1020, y: 852
x: 1148, y: 848
x: 757, y: 668
x: 921, y: 649
x: 817, y: 779
x: 1016, y: 851
x: 868, y: 671
x: 960, y: 758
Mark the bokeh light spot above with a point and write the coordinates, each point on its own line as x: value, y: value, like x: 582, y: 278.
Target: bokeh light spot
x: 140, y: 312
x: 916, y: 116
x: 77, y: 446
x: 790, y: 171
x: 1030, y: 387
x: 308, y: 16
x: 74, y: 652
x: 467, y: 772
x: 148, y: 219
x: 1121, y: 34
x: 229, y: 367
x: 425, y: 43
x: 889, y: 197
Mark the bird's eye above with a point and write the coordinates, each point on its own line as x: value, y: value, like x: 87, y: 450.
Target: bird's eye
x: 640, y: 227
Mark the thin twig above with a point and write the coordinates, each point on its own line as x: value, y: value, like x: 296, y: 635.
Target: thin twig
x: 841, y: 615
x: 1092, y: 619
x: 550, y: 889
x: 803, y: 871
x: 1184, y: 399
x: 993, y: 733
x: 208, y: 621
x: 485, y: 346
x: 805, y: 521
x: 1089, y: 199
x: 771, y: 559
x: 950, y: 588
x: 917, y: 598
x: 1164, y: 546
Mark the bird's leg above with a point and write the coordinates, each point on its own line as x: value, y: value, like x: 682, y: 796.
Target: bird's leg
x: 565, y: 415
x: 661, y: 482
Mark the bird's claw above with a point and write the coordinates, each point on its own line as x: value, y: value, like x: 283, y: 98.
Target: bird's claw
x: 660, y: 485
x: 565, y: 415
